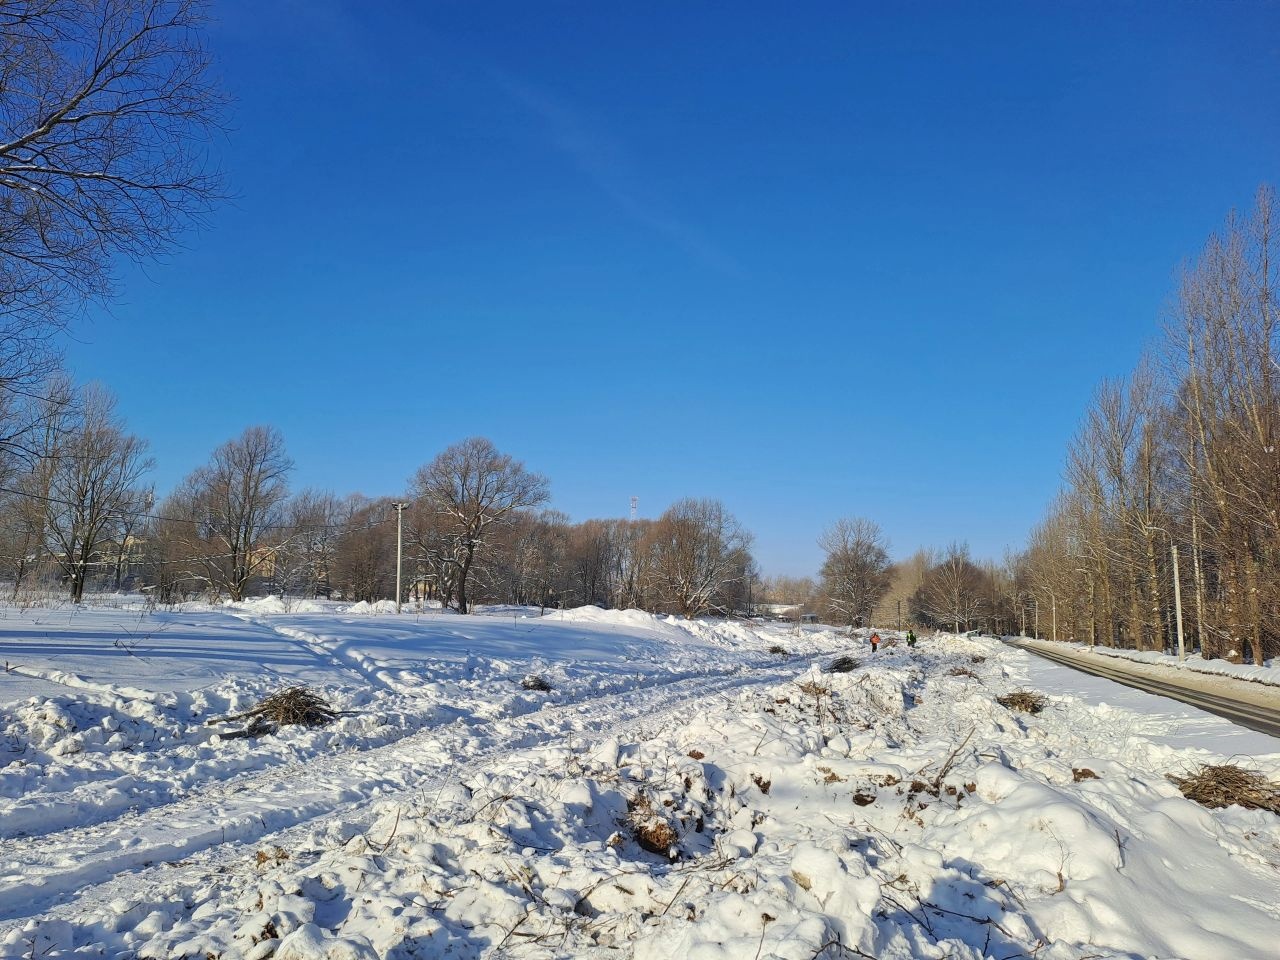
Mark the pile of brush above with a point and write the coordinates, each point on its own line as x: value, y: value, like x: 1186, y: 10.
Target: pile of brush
x: 1027, y: 701
x: 842, y: 665
x: 1227, y: 785
x: 293, y: 706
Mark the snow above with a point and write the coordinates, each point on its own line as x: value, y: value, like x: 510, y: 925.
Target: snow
x: 1267, y: 673
x: 1159, y: 720
x: 680, y: 792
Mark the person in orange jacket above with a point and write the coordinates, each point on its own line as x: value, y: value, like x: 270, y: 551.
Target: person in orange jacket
x: 875, y: 641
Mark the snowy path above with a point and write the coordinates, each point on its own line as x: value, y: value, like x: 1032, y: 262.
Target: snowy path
x: 35, y: 872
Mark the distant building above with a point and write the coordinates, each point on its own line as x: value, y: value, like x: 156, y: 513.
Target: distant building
x: 779, y: 611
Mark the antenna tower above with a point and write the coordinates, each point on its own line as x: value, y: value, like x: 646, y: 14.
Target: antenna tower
x: 635, y: 502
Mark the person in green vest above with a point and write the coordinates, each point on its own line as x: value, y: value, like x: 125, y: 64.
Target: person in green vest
x: 911, y: 638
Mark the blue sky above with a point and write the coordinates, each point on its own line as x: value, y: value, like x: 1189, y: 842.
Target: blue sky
x: 815, y: 260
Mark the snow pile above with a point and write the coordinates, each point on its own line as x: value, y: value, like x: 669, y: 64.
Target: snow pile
x: 364, y: 607
x: 274, y: 604
x: 625, y: 619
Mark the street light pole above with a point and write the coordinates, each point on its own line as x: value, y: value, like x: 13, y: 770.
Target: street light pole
x: 399, y: 508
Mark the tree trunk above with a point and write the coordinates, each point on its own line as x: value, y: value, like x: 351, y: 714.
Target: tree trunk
x: 463, y: 573
x: 1156, y: 622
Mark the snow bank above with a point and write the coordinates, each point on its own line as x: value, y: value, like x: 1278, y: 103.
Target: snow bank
x: 632, y: 619
x: 1269, y: 673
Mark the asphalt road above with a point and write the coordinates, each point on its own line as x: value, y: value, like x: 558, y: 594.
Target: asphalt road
x: 1249, y: 715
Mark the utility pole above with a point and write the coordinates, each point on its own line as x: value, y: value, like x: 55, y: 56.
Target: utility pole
x: 899, y: 616
x: 399, y: 509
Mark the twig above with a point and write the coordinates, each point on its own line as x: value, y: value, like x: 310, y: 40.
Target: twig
x: 675, y: 898
x: 381, y: 848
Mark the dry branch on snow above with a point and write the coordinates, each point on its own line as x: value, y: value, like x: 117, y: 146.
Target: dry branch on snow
x: 1226, y: 785
x: 293, y: 706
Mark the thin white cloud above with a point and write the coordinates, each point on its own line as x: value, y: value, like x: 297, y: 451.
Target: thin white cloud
x: 607, y: 165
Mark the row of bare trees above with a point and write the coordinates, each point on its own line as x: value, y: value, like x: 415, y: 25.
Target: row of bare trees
x: 474, y: 529
x: 860, y: 586
x: 77, y: 505
x: 1180, y: 459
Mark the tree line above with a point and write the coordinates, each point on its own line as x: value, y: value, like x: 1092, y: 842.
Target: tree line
x: 1168, y: 520
x: 473, y: 524
x: 860, y: 586
x: 1171, y: 498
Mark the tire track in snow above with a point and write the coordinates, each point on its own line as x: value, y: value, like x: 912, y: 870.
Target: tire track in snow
x: 111, y: 794
x: 314, y: 645
x: 99, y: 859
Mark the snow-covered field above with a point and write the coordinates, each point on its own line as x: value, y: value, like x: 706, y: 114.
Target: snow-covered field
x: 680, y: 792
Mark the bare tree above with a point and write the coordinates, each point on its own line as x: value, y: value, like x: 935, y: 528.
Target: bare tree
x: 304, y: 560
x: 94, y: 493
x: 855, y: 574
x: 364, y: 566
x: 468, y: 488
x: 954, y: 591
x: 905, y: 578
x: 232, y: 510
x: 589, y: 553
x: 532, y: 559
x: 25, y: 528
x: 105, y: 110
x: 698, y: 549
